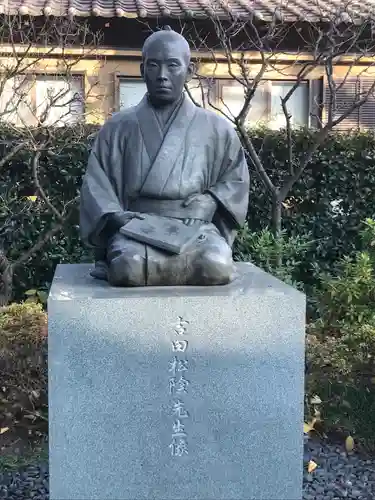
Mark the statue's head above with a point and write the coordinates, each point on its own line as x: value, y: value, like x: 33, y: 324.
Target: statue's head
x: 166, y: 66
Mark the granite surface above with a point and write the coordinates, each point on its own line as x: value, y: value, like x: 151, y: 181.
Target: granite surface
x: 72, y: 281
x: 118, y: 391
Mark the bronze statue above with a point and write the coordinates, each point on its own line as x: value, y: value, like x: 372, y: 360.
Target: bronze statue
x: 169, y: 158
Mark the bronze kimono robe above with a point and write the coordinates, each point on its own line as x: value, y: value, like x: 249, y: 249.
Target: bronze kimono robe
x: 135, y: 165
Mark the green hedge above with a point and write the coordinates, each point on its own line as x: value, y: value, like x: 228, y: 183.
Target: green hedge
x: 344, y: 168
x: 60, y: 172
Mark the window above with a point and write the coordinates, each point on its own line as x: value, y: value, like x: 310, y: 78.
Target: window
x: 131, y: 92
x: 15, y: 101
x: 60, y: 98
x: 233, y: 98
x: 297, y: 105
x: 266, y: 106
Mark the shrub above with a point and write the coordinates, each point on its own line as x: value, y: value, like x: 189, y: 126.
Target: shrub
x: 262, y: 249
x: 330, y: 200
x: 341, y: 371
x: 347, y: 298
x: 23, y: 220
x: 23, y: 368
x: 340, y: 354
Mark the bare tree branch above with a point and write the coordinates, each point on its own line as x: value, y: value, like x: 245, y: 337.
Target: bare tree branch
x: 27, y: 46
x: 40, y: 190
x: 11, y: 154
x: 320, y: 49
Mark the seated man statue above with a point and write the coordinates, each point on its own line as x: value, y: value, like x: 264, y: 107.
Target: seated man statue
x: 170, y: 158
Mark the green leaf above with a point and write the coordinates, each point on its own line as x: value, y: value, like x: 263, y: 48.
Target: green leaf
x: 43, y: 296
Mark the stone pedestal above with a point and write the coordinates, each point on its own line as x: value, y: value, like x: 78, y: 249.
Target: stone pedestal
x: 175, y: 393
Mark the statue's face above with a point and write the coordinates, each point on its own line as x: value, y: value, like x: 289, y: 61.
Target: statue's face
x: 166, y: 68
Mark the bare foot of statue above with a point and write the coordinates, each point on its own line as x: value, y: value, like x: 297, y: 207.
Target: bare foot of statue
x: 100, y: 271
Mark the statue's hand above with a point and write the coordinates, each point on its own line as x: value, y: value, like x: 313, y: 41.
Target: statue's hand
x: 117, y: 220
x: 205, y: 200
x: 128, y: 216
x: 191, y: 222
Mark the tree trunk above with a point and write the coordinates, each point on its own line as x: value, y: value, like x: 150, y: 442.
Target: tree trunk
x: 276, y: 229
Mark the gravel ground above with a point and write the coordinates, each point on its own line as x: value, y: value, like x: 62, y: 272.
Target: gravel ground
x: 28, y: 483
x: 337, y: 476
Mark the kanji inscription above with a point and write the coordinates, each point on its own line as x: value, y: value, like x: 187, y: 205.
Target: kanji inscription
x: 179, y: 385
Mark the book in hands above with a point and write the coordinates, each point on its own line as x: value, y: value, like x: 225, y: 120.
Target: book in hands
x: 171, y: 235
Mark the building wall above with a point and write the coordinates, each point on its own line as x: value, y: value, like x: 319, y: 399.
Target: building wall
x: 102, y: 72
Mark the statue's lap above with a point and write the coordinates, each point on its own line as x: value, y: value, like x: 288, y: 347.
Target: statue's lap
x: 208, y: 262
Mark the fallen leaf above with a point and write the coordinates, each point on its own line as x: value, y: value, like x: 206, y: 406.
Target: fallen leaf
x: 32, y: 198
x: 3, y: 430
x: 311, y: 466
x: 349, y: 444
x: 309, y: 426
x: 315, y: 400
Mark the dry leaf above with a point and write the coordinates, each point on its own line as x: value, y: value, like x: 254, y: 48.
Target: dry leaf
x: 349, y: 444
x: 311, y: 466
x: 309, y: 426
x: 315, y: 400
x: 3, y: 430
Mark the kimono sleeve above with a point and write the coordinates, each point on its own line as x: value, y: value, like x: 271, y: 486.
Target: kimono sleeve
x: 232, y: 187
x: 98, y: 196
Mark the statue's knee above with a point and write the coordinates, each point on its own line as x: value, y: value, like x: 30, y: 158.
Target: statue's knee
x: 218, y: 267
x: 127, y: 270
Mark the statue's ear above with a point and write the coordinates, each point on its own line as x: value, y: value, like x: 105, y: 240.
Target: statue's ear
x: 142, y: 70
x: 190, y: 72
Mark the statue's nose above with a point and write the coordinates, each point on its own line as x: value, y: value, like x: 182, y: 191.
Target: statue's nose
x: 163, y: 73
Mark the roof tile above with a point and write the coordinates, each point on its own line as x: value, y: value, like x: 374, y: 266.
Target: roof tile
x: 287, y: 10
